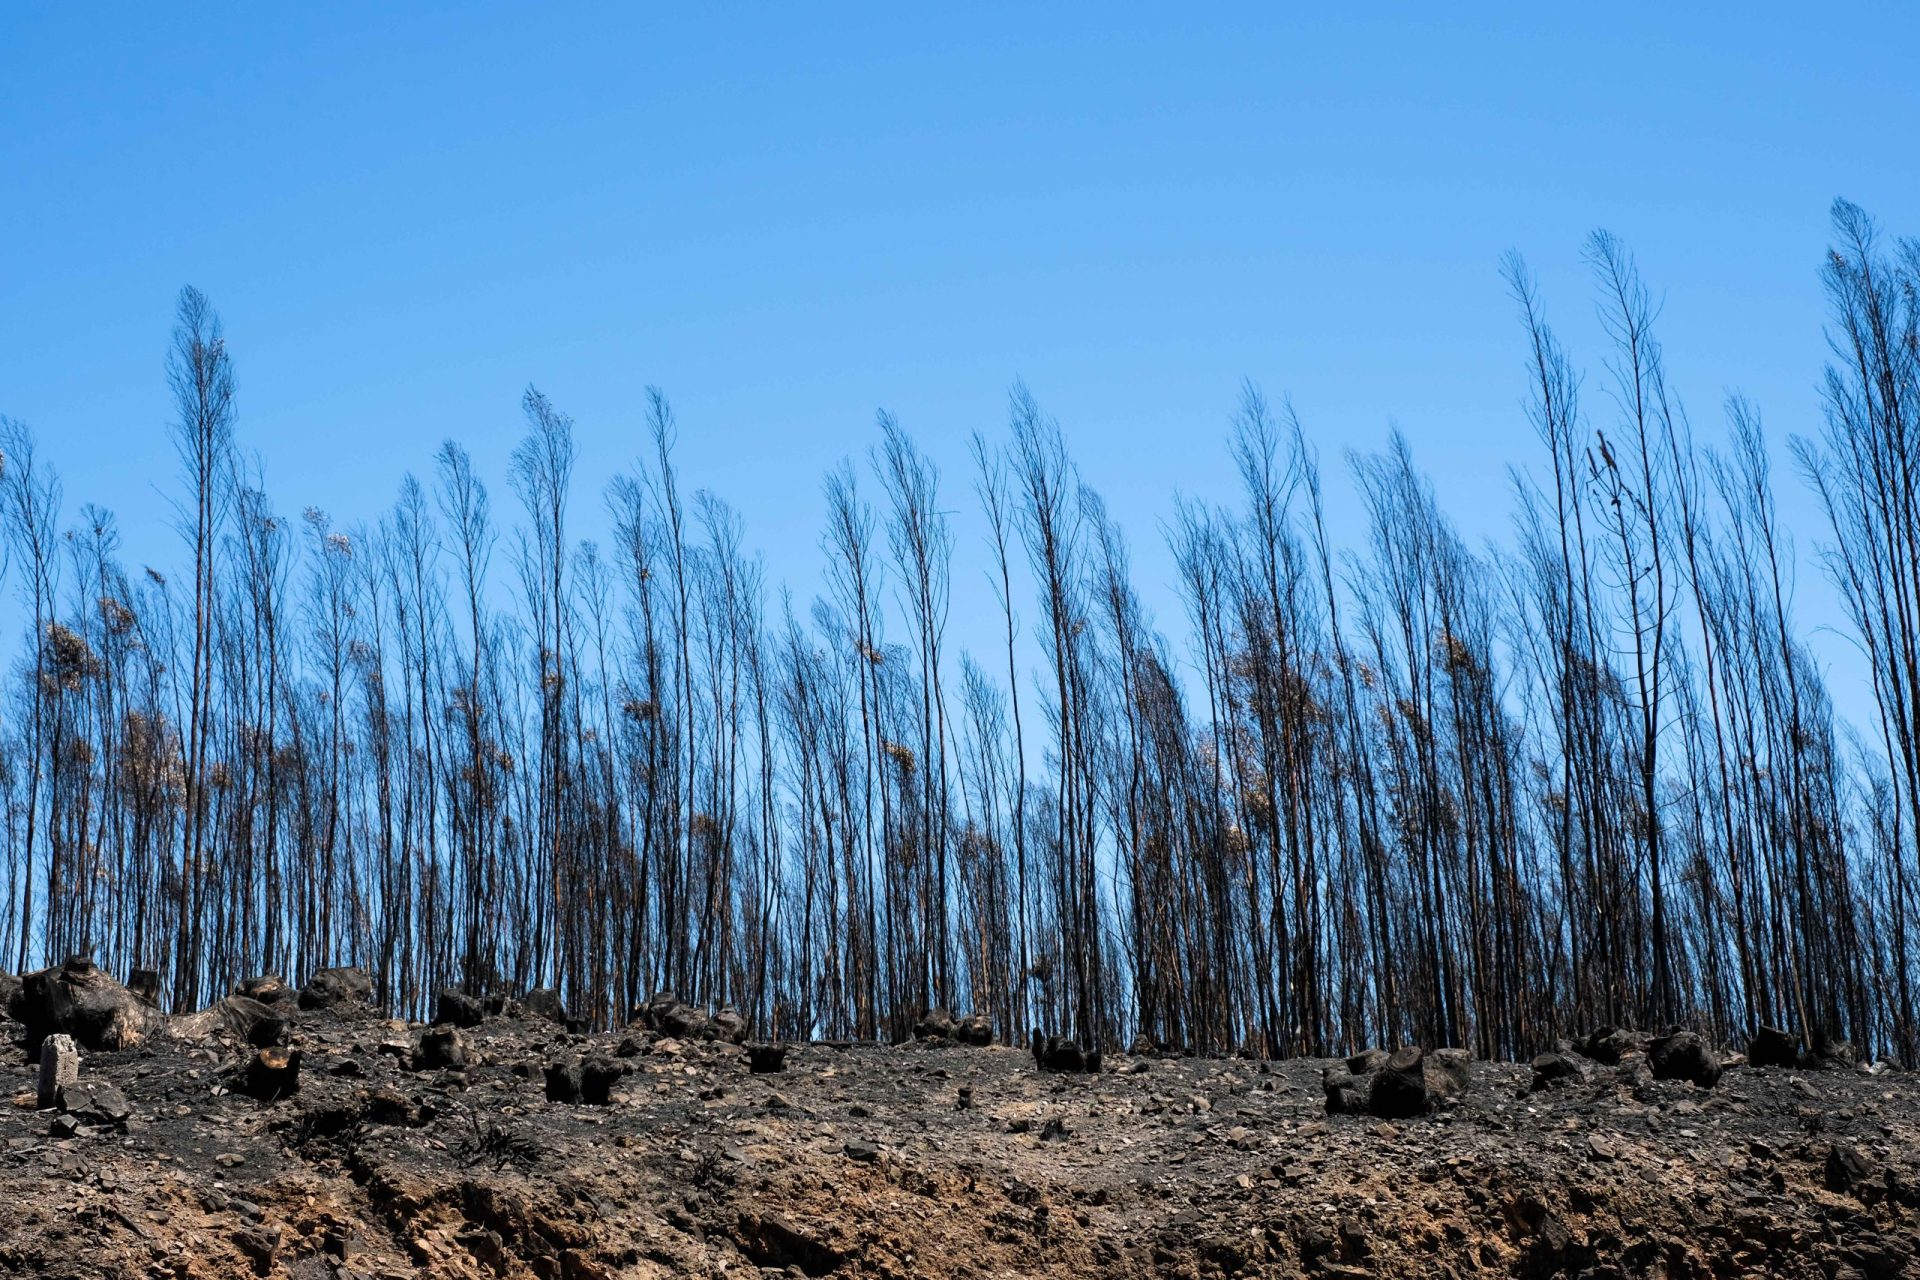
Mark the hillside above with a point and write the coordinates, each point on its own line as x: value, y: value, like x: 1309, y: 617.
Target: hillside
x: 415, y: 1151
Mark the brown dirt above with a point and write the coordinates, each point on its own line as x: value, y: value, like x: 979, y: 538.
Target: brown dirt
x: 860, y: 1162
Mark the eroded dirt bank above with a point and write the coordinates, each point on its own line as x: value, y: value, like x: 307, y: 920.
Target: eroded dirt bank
x: 410, y: 1153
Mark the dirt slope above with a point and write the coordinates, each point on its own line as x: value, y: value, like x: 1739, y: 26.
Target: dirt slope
x: 931, y: 1160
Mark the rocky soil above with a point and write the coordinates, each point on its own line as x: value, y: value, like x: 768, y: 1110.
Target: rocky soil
x: 351, y: 1146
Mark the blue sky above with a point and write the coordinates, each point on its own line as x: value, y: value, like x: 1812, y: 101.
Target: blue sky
x: 791, y: 217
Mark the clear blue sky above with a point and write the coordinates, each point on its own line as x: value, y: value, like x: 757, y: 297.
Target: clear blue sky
x: 791, y: 216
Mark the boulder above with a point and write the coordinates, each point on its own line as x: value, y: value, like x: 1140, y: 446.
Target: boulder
x: 9, y: 996
x: 543, y: 1003
x: 728, y: 1025
x: 81, y: 1000
x: 944, y: 1024
x: 935, y: 1024
x: 1683, y: 1055
x: 454, y: 1007
x: 95, y: 1102
x: 975, y: 1029
x: 260, y: 1244
x: 668, y: 1014
x: 341, y: 990
x: 1550, y: 1069
x: 440, y: 1049
x: 1400, y: 1085
x: 1773, y: 1047
x: 598, y: 1075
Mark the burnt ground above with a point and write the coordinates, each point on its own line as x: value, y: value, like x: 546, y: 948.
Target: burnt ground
x: 861, y: 1161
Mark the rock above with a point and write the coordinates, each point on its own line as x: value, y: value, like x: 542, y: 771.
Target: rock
x: 1683, y: 1055
x: 1547, y: 1237
x: 341, y: 990
x: 770, y: 1240
x: 1550, y: 1069
x: 1773, y: 1047
x: 9, y: 996
x: 728, y: 1025
x: 935, y: 1024
x: 440, y: 1049
x: 95, y: 1103
x: 765, y: 1059
x: 260, y: 1244
x: 81, y: 1000
x: 669, y: 1015
x: 943, y: 1024
x: 1845, y: 1168
x: 457, y: 1008
x: 59, y: 1068
x: 272, y: 1074
x: 575, y: 1265
x: 543, y: 1003
x: 1399, y: 1086
x: 1399, y: 1090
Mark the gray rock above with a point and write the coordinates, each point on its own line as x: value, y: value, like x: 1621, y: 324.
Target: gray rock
x: 341, y: 990
x: 59, y: 1067
x: 1683, y: 1055
x: 454, y: 1007
x: 440, y: 1049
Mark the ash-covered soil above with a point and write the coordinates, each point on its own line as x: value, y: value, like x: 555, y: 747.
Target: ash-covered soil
x: 930, y: 1159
